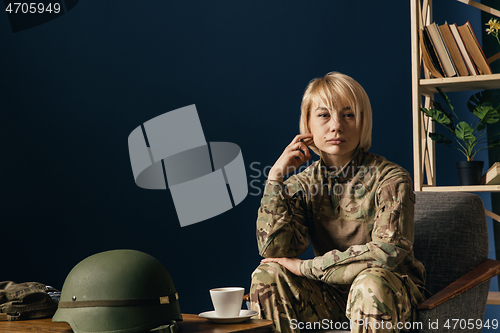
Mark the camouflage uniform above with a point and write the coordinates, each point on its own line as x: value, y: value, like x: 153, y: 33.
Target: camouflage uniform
x: 360, y: 221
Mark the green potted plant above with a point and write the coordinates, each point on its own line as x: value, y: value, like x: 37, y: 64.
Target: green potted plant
x: 469, y: 137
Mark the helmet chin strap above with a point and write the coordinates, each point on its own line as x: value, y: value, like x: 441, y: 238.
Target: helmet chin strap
x: 168, y: 328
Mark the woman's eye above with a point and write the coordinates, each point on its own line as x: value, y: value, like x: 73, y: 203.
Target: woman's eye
x: 324, y: 115
x: 349, y: 115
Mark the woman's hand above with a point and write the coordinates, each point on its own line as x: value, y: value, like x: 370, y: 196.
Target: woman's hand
x: 292, y: 264
x: 295, y: 154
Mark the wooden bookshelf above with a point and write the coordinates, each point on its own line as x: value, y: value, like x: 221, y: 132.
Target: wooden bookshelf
x: 423, y: 90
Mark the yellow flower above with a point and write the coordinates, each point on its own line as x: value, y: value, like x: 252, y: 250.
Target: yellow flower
x: 494, y: 26
x: 492, y: 22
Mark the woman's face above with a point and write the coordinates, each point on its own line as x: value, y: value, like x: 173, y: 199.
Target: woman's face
x: 334, y: 132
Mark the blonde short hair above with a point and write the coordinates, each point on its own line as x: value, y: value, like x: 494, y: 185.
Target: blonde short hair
x: 338, y: 89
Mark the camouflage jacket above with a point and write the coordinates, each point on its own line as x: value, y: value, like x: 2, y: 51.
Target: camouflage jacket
x: 357, y: 217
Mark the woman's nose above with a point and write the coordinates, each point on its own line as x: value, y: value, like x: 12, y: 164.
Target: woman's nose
x: 335, y: 124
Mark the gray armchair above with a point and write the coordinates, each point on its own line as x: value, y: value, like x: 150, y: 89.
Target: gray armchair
x: 451, y: 240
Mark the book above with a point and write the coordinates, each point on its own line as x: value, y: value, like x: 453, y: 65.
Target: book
x: 492, y: 176
x: 441, y: 50
x: 451, y: 45
x: 461, y: 46
x: 474, y: 49
x: 428, y: 54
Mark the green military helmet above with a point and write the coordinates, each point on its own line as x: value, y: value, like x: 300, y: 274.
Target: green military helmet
x: 123, y: 291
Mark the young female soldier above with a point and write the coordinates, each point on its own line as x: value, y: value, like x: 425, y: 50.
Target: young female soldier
x: 356, y: 207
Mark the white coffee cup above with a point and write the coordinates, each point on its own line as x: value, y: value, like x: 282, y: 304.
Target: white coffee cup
x: 227, y: 301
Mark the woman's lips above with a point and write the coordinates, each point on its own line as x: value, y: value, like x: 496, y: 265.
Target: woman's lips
x: 335, y: 141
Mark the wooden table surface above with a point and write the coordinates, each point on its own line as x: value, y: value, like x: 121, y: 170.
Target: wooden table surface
x: 190, y: 324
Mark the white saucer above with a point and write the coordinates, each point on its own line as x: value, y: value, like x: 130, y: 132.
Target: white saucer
x: 244, y: 315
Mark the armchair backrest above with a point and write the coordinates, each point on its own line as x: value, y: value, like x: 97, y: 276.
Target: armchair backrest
x: 451, y: 235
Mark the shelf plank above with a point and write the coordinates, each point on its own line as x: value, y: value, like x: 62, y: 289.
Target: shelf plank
x: 469, y: 188
x: 460, y: 83
x: 484, y: 8
x: 494, y: 216
x: 493, y: 298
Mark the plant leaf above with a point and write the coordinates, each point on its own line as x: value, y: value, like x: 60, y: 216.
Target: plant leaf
x: 446, y: 99
x: 437, y: 116
x: 465, y: 132
x: 487, y: 114
x: 437, y: 106
x: 479, y: 99
x: 439, y: 138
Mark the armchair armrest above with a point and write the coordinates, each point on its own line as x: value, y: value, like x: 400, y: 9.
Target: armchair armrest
x: 485, y: 271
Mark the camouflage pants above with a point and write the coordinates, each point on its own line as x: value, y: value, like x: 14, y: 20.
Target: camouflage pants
x: 376, y: 300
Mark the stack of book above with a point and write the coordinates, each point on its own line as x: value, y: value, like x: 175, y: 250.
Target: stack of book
x: 449, y: 50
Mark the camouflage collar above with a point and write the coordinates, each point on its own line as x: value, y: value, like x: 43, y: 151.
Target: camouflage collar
x: 348, y: 171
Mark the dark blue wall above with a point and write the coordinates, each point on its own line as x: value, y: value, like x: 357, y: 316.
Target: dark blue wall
x: 74, y: 88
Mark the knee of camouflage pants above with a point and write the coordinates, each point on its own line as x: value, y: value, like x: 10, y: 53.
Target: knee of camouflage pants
x: 289, y: 300
x: 380, y: 301
x: 271, y: 294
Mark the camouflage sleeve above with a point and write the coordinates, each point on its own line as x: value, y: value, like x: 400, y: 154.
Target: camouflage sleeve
x: 281, y: 229
x: 392, y: 238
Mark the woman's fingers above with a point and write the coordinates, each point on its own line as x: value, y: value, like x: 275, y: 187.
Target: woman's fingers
x: 278, y: 260
x: 295, y: 154
x: 302, y: 137
x: 270, y: 260
x: 300, y: 155
x: 301, y: 142
x: 300, y: 147
x: 292, y: 264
